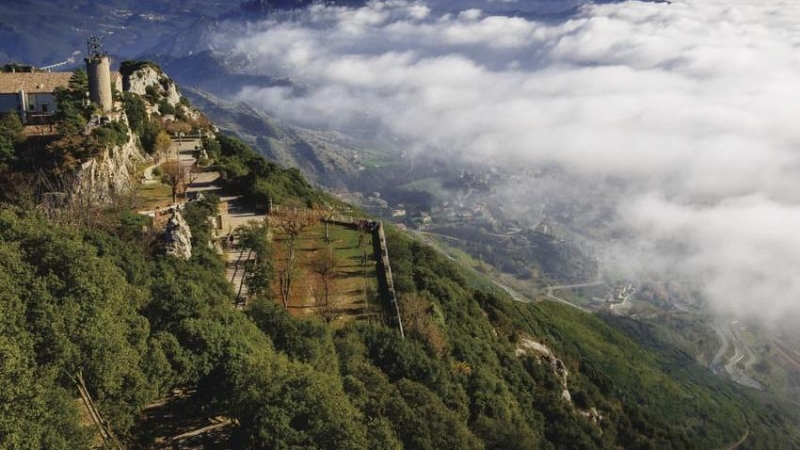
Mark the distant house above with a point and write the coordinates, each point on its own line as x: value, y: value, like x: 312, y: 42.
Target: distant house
x: 31, y: 94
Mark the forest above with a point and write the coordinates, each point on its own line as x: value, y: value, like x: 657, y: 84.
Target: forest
x: 98, y: 305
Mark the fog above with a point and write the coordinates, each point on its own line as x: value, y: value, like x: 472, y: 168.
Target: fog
x: 692, y: 103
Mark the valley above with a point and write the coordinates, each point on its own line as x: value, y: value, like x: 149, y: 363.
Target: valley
x: 202, y: 253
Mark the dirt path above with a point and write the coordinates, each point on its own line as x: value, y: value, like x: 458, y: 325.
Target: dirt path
x: 740, y: 442
x: 147, y: 175
x: 235, y: 262
x: 549, y: 295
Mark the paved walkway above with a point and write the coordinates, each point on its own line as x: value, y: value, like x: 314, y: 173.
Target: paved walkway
x: 204, y: 182
x: 180, y: 153
x: 240, y: 213
x: 147, y: 176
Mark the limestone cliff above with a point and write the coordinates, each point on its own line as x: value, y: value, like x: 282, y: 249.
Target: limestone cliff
x: 111, y: 173
x: 146, y: 76
x: 178, y: 237
x: 156, y: 87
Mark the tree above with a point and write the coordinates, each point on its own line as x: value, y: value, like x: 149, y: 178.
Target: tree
x: 416, y: 311
x: 260, y: 273
x: 72, y: 108
x: 175, y: 176
x: 79, y: 82
x: 292, y: 223
x: 72, y: 149
x: 150, y: 136
x: 11, y: 135
x: 162, y: 142
x: 325, y: 286
x: 136, y: 111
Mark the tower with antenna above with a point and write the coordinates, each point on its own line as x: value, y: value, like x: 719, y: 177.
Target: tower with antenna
x: 98, y: 70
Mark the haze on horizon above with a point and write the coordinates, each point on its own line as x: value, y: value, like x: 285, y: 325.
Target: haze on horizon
x: 692, y: 103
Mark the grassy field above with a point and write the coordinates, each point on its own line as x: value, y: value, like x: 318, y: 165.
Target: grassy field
x: 153, y: 195
x: 354, y: 293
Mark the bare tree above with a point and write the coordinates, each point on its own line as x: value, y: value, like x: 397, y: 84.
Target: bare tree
x: 291, y: 223
x: 68, y: 199
x: 325, y: 287
x: 175, y: 176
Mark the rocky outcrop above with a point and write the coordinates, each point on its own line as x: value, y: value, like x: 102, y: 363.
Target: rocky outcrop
x: 149, y: 81
x: 177, y: 237
x: 111, y: 173
x: 139, y: 80
x: 528, y: 347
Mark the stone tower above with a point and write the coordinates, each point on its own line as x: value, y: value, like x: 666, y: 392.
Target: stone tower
x: 98, y: 70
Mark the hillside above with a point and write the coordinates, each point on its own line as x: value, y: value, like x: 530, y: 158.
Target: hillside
x: 325, y: 158
x: 92, y: 308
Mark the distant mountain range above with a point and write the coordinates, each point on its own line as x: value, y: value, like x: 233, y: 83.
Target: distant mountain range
x: 45, y: 32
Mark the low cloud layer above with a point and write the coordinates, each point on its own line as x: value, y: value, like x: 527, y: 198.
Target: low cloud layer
x: 693, y: 103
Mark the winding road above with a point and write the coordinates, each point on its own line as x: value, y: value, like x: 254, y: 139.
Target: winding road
x: 729, y: 335
x: 549, y: 293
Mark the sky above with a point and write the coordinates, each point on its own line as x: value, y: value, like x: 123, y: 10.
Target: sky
x: 693, y: 103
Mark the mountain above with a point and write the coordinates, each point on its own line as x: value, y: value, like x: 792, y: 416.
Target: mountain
x: 270, y: 6
x: 99, y: 322
x: 44, y: 32
x: 325, y: 158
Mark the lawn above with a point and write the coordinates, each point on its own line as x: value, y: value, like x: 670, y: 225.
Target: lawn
x: 153, y: 195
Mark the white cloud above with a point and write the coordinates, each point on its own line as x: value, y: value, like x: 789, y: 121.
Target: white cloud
x: 694, y: 103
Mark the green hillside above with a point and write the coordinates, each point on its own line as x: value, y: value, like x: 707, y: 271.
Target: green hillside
x: 135, y: 325
x: 95, y: 304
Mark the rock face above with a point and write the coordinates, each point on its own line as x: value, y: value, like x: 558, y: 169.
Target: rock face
x: 153, y: 79
x: 528, y: 347
x: 138, y: 82
x: 110, y: 174
x: 178, y: 237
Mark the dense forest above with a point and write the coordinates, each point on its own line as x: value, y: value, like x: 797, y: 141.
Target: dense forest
x: 98, y: 305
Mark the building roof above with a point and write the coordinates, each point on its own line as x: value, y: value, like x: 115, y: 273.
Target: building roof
x: 33, y: 82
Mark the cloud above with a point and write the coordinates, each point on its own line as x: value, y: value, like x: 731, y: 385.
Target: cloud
x: 743, y: 249
x: 693, y: 104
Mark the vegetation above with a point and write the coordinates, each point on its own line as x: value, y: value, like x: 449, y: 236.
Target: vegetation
x: 243, y: 170
x: 126, y: 68
x: 96, y: 301
x: 111, y: 134
x: 261, y: 271
x: 11, y: 137
x: 15, y: 67
x: 136, y: 325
